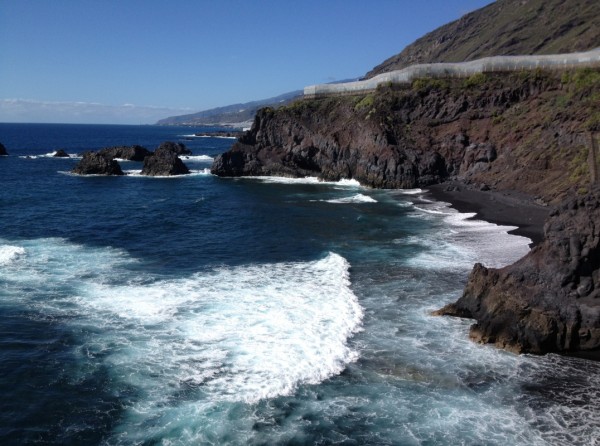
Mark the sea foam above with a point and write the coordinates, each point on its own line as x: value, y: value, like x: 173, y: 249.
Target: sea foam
x: 9, y: 254
x: 460, y: 239
x: 304, y: 180
x: 358, y: 198
x: 241, y: 333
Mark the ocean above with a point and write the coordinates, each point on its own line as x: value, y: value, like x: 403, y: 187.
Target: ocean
x: 200, y: 310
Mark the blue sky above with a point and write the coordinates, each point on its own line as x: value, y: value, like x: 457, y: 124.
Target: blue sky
x: 136, y: 61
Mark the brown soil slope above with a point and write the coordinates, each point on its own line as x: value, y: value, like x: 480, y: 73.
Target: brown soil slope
x: 506, y: 27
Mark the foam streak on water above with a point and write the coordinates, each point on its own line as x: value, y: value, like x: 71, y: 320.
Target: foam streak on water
x: 238, y: 334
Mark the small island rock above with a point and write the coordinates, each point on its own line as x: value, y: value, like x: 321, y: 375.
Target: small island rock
x: 164, y: 162
x: 60, y: 153
x: 176, y: 147
x: 94, y: 163
x: 131, y: 153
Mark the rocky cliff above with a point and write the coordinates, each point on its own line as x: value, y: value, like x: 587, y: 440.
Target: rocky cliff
x: 549, y: 301
x: 523, y: 131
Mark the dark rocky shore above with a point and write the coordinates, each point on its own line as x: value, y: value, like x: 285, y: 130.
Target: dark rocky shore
x: 510, y: 147
x: 548, y: 301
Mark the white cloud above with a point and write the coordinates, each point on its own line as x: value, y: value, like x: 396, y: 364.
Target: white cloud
x: 29, y: 110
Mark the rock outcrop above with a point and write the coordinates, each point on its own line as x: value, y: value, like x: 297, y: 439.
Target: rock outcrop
x: 60, y: 153
x: 509, y: 131
x: 176, y: 147
x: 308, y: 144
x: 131, y: 153
x: 94, y: 163
x: 549, y: 301
x: 3, y: 151
x: 164, y: 162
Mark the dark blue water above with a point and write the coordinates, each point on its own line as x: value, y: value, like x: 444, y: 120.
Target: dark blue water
x: 202, y: 310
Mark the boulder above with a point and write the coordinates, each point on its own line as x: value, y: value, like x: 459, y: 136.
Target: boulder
x: 93, y: 163
x: 548, y: 301
x: 176, y: 147
x: 3, y: 151
x: 131, y: 153
x: 164, y: 162
x: 60, y: 153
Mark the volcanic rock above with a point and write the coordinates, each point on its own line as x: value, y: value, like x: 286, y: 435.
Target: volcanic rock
x: 164, y: 162
x: 549, y: 301
x: 60, y: 153
x: 176, y: 147
x: 511, y: 131
x: 93, y: 163
x: 131, y: 153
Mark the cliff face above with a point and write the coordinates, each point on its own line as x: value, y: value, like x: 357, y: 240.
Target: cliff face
x: 524, y: 131
x: 506, y: 27
x: 549, y: 301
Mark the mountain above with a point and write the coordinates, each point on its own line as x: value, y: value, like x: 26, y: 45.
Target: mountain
x: 230, y: 114
x: 506, y: 27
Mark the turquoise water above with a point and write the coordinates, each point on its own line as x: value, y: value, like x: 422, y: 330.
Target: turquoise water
x: 202, y: 310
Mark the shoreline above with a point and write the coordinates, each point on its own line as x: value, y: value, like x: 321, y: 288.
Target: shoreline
x: 507, y: 208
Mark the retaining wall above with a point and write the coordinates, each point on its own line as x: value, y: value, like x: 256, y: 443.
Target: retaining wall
x: 461, y: 69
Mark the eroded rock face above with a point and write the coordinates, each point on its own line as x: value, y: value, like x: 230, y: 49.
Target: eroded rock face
x: 3, y: 151
x: 549, y: 301
x: 131, y: 153
x: 296, y: 146
x: 502, y: 130
x: 94, y: 163
x: 164, y: 162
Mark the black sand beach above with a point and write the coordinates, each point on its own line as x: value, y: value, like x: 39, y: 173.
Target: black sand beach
x: 501, y: 207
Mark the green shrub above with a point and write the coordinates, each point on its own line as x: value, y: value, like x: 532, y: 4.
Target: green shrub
x: 425, y: 85
x: 366, y: 102
x: 579, y: 165
x: 585, y: 78
x: 474, y: 80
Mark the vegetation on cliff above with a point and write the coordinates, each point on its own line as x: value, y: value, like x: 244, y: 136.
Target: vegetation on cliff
x: 526, y: 131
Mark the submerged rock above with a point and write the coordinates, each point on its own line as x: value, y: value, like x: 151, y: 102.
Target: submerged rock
x: 131, y: 153
x: 94, y: 163
x: 548, y: 301
x: 164, y: 162
x: 3, y: 151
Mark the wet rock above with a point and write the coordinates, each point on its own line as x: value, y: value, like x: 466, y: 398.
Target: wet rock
x: 94, y: 163
x: 131, y: 153
x: 546, y: 301
x: 175, y: 147
x: 60, y: 153
x: 164, y: 162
